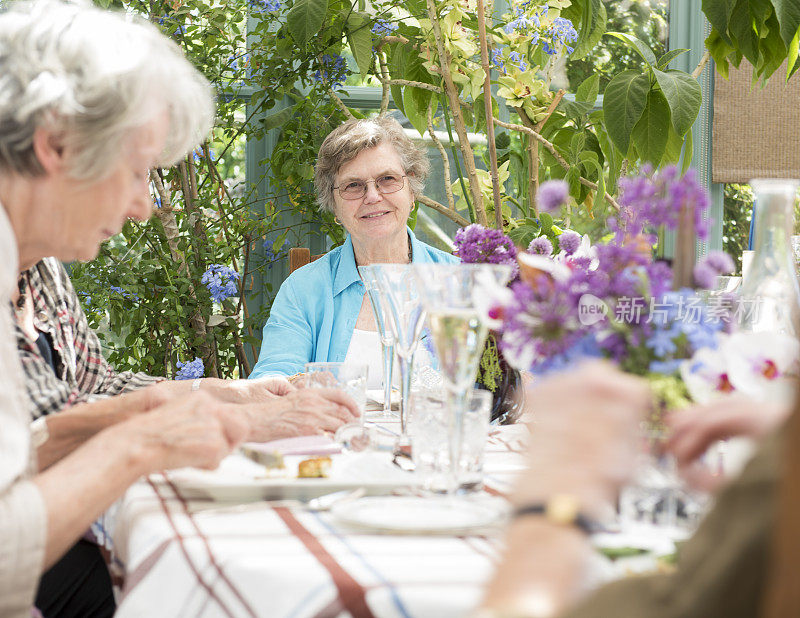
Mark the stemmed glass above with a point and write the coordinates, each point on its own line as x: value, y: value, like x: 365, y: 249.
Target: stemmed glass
x: 453, y: 296
x: 380, y: 308
x: 406, y: 318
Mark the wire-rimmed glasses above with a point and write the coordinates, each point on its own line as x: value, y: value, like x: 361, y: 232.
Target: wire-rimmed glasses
x: 356, y: 189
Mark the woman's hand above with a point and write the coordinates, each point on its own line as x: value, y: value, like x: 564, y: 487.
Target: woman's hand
x: 302, y: 412
x: 195, y: 430
x: 698, y: 427
x: 584, y: 432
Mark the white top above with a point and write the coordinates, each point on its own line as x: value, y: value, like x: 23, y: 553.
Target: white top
x: 23, y: 521
x: 365, y: 347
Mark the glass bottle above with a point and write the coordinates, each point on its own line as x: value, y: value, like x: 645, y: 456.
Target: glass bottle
x: 770, y: 299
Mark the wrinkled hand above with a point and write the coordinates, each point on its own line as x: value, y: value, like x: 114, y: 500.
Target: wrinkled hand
x: 301, y: 412
x: 195, y: 430
x: 277, y: 386
x: 584, y: 430
x: 695, y: 429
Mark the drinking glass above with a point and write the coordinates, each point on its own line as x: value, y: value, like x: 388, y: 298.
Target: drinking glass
x: 406, y: 318
x: 352, y: 379
x: 430, y: 421
x: 380, y: 308
x: 454, y: 295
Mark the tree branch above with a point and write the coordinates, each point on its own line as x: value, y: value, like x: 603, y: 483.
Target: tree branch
x: 458, y: 119
x: 339, y: 104
x: 701, y: 65
x: 407, y: 82
x: 452, y: 215
x: 445, y: 161
x: 552, y: 149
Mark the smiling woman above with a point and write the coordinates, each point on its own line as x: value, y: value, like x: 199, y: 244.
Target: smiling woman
x: 368, y: 174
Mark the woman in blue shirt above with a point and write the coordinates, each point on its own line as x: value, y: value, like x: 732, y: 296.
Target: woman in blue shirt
x: 368, y: 172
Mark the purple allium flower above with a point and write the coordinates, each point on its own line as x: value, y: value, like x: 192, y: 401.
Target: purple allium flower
x: 720, y: 261
x: 221, y: 282
x: 190, y: 370
x: 552, y: 195
x: 476, y: 244
x: 569, y: 242
x: 704, y: 275
x: 541, y: 245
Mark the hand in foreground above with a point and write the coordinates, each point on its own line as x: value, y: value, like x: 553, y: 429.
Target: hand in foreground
x: 698, y: 427
x: 194, y: 430
x: 584, y: 430
x: 301, y: 412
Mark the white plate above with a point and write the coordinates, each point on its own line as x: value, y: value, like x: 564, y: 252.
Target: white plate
x: 420, y: 515
x: 240, y: 480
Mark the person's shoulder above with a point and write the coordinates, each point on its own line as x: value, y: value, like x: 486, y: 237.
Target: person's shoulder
x: 437, y: 255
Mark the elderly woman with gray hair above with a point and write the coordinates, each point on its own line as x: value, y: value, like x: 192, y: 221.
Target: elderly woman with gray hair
x: 89, y: 102
x: 367, y: 174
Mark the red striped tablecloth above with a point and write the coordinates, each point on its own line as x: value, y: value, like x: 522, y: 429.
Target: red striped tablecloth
x: 191, y: 558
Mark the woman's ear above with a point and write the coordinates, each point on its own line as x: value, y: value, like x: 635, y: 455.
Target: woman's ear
x: 49, y: 149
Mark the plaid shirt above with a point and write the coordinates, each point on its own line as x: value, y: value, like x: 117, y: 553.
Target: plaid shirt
x: 83, y: 372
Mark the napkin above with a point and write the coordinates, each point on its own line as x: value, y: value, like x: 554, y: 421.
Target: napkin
x: 301, y: 445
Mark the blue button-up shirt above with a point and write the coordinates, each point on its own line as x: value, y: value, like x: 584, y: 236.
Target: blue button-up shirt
x: 315, y: 311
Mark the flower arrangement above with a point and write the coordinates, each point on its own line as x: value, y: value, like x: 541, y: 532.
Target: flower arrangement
x: 613, y: 299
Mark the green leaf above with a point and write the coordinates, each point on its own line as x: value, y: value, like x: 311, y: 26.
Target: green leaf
x: 688, y: 152
x: 718, y: 13
x: 359, y: 35
x: 684, y: 96
x: 587, y: 92
x: 623, y: 103
x: 720, y: 50
x: 651, y: 132
x: 672, y: 152
x: 590, y: 22
x: 415, y: 104
x: 640, y: 46
x: 545, y: 222
x: 741, y: 31
x: 305, y: 19
x: 574, y: 109
x: 396, y: 63
x: 278, y: 118
x: 792, y: 56
x: 664, y: 61
x: 417, y: 8
x: 788, y: 14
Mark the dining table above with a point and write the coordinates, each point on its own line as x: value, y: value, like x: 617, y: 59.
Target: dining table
x: 238, y: 553
x: 190, y: 556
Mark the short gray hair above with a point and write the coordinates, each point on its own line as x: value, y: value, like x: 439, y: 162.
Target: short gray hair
x: 351, y: 137
x: 93, y: 76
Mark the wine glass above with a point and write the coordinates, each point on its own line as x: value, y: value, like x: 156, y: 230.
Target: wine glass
x: 406, y: 318
x: 454, y: 296
x: 380, y: 308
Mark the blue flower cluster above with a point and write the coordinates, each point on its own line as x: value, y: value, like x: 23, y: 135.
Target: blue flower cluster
x: 123, y: 293
x: 265, y: 5
x: 221, y: 282
x: 560, y: 33
x: 383, y: 27
x: 333, y: 71
x: 517, y: 58
x: 180, y: 30
x: 271, y: 256
x: 497, y: 59
x: 190, y: 370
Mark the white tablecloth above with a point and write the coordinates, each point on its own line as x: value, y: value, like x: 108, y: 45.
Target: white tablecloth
x: 275, y: 559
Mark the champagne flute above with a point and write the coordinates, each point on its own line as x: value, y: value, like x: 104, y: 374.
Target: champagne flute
x: 454, y: 296
x: 380, y: 308
x: 406, y: 319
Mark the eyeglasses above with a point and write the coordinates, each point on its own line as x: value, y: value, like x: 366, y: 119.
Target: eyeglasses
x: 356, y: 189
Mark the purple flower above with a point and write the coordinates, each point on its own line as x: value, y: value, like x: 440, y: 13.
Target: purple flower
x: 720, y: 261
x: 541, y: 246
x: 704, y: 275
x: 569, y: 242
x: 476, y: 244
x: 552, y: 195
x: 221, y: 282
x: 190, y: 370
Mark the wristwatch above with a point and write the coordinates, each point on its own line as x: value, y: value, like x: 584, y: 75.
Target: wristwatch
x: 561, y: 509
x: 39, y: 432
